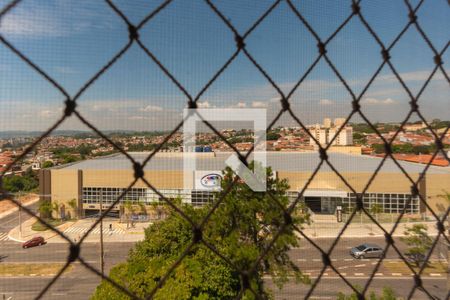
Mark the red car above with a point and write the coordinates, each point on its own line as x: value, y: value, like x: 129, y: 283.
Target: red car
x: 36, y: 241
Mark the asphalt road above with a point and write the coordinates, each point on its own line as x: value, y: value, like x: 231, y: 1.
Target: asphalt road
x: 12, y: 220
x: 80, y: 283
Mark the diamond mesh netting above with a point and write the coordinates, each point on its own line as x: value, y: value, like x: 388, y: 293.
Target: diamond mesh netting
x: 355, y: 11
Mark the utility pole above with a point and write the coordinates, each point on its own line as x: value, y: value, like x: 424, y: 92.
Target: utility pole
x: 20, y: 216
x: 102, y: 263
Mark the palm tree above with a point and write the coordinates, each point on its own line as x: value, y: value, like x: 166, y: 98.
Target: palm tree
x: 445, y: 196
x: 128, y: 208
x: 55, y: 208
x: 73, y: 204
x: 45, y: 209
x: 375, y: 209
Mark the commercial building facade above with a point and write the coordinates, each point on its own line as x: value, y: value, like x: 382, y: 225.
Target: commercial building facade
x: 103, y: 180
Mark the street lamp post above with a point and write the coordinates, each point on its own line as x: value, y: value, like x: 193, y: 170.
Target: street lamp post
x: 102, y: 263
x: 20, y: 216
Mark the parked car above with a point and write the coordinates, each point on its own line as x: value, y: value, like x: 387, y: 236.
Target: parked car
x: 36, y: 241
x: 367, y: 251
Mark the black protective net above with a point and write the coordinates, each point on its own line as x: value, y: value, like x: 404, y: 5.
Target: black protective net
x: 355, y: 11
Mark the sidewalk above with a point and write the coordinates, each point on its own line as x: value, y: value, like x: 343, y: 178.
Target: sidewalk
x: 120, y: 233
x: 74, y: 230
x: 28, y: 233
x: 331, y: 230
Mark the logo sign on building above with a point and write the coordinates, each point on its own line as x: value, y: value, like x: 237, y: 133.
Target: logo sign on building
x: 207, y: 180
x: 256, y: 178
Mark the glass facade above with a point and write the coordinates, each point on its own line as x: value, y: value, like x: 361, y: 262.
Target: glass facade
x: 389, y: 203
x: 92, y: 195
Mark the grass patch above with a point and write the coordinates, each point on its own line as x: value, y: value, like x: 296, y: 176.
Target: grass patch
x: 28, y: 269
x: 401, y: 267
x: 38, y: 226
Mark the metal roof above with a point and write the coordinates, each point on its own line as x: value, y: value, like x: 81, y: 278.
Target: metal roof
x: 279, y: 161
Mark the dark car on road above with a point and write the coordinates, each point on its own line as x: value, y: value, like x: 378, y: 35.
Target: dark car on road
x: 367, y: 251
x: 36, y: 241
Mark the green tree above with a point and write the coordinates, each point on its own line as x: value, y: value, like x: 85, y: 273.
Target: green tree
x: 241, y: 229
x: 142, y: 209
x: 272, y: 136
x: 73, y: 205
x: 128, y: 210
x: 47, y: 164
x: 418, y: 241
x: 69, y: 159
x: 25, y: 183
x: 359, y: 138
x: 443, y: 208
x: 45, y: 209
x: 55, y: 208
x: 374, y: 210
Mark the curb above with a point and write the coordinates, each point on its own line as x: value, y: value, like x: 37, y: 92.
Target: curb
x: 15, y: 209
x: 14, y: 239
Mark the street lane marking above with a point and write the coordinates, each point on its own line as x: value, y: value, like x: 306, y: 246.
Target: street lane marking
x: 82, y: 230
x: 316, y: 259
x: 358, y: 266
x: 396, y: 274
x: 325, y: 274
x: 341, y: 268
x: 359, y: 274
x: 301, y: 259
x: 343, y: 274
x: 3, y: 236
x: 348, y: 259
x: 378, y: 274
x: 435, y: 274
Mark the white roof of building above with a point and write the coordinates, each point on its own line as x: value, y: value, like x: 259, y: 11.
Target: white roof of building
x: 279, y: 161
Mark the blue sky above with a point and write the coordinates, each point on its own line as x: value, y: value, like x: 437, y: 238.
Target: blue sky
x: 71, y: 40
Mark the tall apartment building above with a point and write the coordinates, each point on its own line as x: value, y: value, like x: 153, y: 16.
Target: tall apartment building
x: 338, y: 122
x: 327, y: 123
x: 324, y: 134
x: 344, y: 138
x: 319, y: 133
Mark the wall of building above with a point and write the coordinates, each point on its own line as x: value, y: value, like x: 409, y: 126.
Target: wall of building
x: 66, y: 183
x: 438, y: 184
x: 65, y: 187
x: 123, y: 178
x: 387, y: 182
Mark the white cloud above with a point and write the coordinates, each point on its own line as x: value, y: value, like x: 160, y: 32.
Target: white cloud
x: 259, y: 104
x: 240, y: 104
x: 375, y: 101
x: 27, y: 23
x: 55, y: 19
x: 204, y: 104
x: 152, y: 108
x: 411, y: 76
x: 50, y: 113
x: 326, y: 102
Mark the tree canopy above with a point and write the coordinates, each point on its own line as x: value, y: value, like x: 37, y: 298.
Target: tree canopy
x: 240, y: 229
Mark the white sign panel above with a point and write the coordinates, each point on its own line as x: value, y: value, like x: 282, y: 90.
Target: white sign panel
x: 207, y: 180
